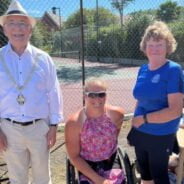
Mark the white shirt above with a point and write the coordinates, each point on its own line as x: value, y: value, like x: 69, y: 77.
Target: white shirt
x: 42, y: 92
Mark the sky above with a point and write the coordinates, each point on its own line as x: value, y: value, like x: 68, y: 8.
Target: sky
x: 36, y: 8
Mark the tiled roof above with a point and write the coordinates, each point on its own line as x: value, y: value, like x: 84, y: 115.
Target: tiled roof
x: 53, y: 17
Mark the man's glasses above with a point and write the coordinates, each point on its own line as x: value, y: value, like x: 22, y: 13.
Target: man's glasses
x: 20, y: 25
x: 100, y: 94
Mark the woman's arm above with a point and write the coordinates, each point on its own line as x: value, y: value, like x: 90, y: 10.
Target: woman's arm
x: 173, y: 111
x: 72, y: 138
x: 116, y: 115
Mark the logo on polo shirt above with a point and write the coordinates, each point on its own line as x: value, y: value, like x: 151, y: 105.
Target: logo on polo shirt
x: 156, y: 78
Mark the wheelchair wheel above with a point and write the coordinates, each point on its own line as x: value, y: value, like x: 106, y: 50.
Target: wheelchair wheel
x: 71, y: 176
x: 126, y: 165
x: 136, y: 173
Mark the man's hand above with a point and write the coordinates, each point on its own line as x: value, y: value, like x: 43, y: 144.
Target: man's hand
x: 51, y: 136
x: 3, y: 142
x: 137, y: 121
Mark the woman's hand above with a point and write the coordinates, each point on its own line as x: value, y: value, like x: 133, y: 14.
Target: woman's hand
x: 137, y: 121
x: 103, y: 181
x: 107, y: 182
x: 3, y: 142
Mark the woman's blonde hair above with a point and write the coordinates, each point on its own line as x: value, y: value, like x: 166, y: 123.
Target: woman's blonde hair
x: 158, y: 31
x: 95, y: 82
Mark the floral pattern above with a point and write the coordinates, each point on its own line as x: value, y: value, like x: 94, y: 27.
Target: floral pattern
x: 98, y: 138
x: 98, y: 142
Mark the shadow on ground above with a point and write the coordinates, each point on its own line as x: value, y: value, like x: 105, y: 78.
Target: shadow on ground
x: 74, y: 74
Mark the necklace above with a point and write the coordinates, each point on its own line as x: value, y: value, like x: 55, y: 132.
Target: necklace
x: 20, y: 97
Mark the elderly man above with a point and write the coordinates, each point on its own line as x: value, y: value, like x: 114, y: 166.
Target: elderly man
x: 30, y: 100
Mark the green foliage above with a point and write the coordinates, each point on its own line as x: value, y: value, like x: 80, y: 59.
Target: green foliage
x: 74, y: 19
x: 70, y: 39
x: 181, y: 14
x: 168, y: 11
x: 37, y: 36
x: 118, y: 42
x: 111, y: 40
x: 150, y: 13
x: 41, y: 37
x: 135, y: 29
x: 56, y: 41
x: 178, y: 31
x: 105, y: 17
x: 114, y: 43
x: 120, y: 5
x: 3, y: 7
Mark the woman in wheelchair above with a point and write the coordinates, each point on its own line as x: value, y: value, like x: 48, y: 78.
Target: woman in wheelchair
x: 91, y: 137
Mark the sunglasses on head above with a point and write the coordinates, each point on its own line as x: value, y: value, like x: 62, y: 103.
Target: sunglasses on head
x: 100, y: 94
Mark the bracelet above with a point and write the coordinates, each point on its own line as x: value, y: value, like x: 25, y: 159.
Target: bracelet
x: 53, y: 125
x: 145, y: 118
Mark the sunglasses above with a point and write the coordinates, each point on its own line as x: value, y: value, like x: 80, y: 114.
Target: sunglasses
x: 100, y: 94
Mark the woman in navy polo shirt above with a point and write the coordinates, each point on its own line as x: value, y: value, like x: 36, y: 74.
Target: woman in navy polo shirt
x: 158, y: 91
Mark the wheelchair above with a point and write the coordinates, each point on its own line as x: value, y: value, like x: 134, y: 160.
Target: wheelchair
x: 72, y: 175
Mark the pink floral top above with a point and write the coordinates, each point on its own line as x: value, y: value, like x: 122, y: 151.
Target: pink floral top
x: 98, y: 138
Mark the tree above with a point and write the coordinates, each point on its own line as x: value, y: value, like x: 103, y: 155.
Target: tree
x: 178, y: 31
x: 4, y: 6
x: 74, y: 19
x: 182, y: 13
x: 168, y: 11
x: 105, y: 18
x: 135, y: 29
x: 120, y: 5
x: 41, y: 37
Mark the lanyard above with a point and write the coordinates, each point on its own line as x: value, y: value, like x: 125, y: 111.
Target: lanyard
x: 20, y: 98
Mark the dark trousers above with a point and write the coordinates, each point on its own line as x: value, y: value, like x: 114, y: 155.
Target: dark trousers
x: 152, y: 154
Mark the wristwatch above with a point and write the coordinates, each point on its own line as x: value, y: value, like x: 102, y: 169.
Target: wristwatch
x: 145, y: 118
x: 53, y: 125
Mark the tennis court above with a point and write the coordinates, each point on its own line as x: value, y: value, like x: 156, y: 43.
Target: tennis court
x: 120, y: 80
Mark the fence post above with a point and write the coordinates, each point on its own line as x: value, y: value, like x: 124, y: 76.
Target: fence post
x: 79, y: 56
x: 82, y: 46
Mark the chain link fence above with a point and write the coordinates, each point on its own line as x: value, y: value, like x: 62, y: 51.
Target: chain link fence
x: 112, y: 33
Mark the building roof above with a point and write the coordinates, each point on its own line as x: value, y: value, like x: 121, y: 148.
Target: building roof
x: 52, y: 20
